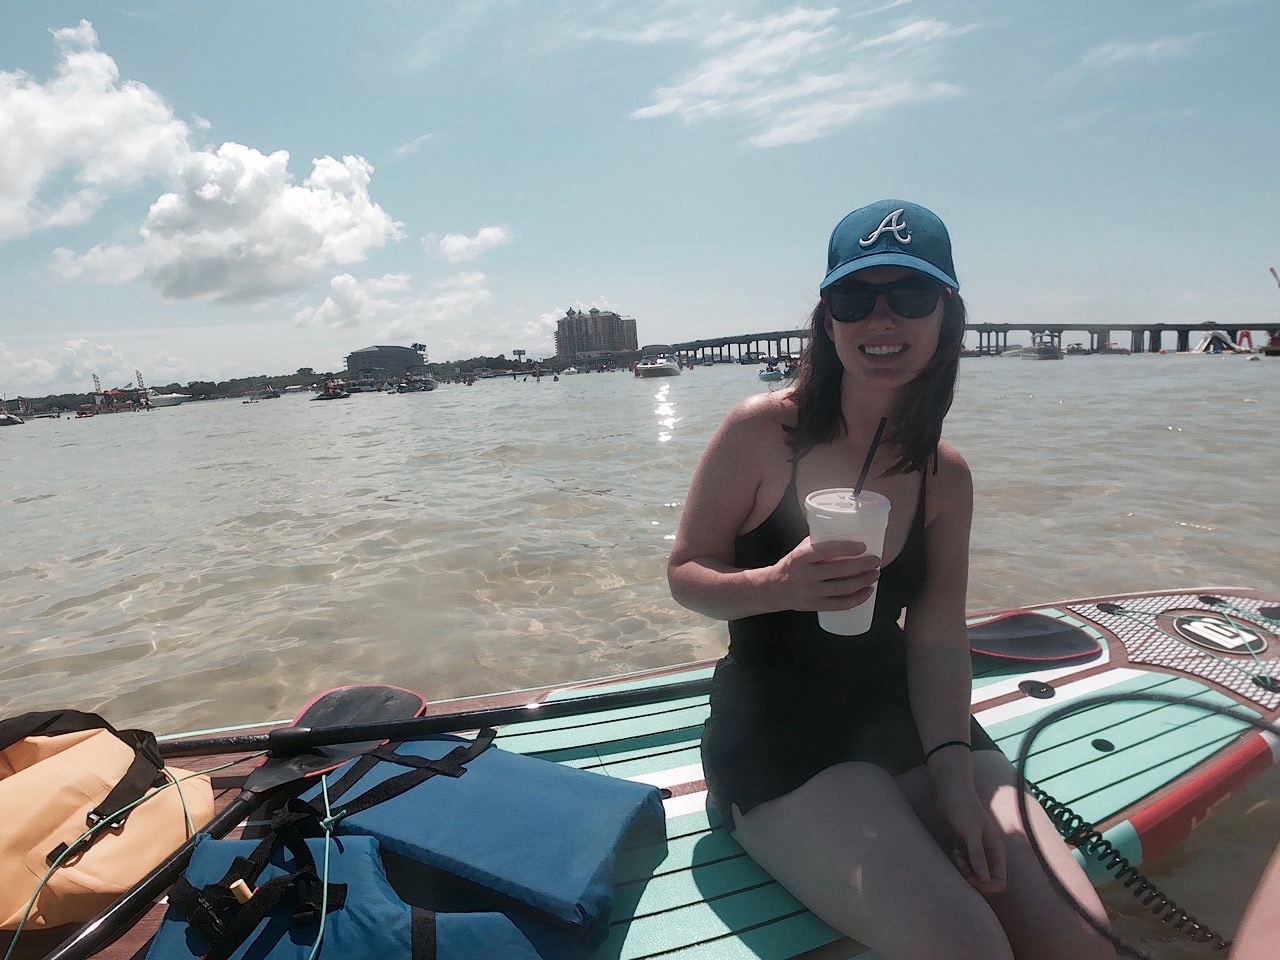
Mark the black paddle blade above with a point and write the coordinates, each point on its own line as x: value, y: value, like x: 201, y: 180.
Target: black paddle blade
x: 1271, y: 613
x: 342, y: 706
x: 1031, y: 637
x: 1112, y: 608
x: 1210, y: 601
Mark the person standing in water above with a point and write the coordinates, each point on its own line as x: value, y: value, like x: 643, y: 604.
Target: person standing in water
x: 850, y: 767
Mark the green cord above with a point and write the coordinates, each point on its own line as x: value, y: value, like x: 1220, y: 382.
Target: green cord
x: 1252, y: 614
x: 324, y: 877
x: 1135, y: 614
x: 102, y: 824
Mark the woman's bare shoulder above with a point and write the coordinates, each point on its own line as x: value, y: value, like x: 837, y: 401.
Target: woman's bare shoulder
x: 764, y: 411
x: 951, y: 465
x: 952, y: 486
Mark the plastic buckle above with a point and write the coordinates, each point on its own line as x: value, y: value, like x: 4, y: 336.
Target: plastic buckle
x: 93, y: 818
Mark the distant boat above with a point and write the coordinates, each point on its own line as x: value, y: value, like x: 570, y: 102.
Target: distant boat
x: 657, y: 360
x: 1042, y: 348
x: 416, y: 385
x: 10, y: 419
x: 1111, y: 348
x: 158, y: 399
x: 1216, y: 341
x: 332, y: 390
x: 659, y: 366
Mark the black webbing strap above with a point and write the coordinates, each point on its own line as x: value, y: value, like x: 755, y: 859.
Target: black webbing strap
x: 291, y: 823
x: 226, y: 923
x: 302, y: 890
x: 355, y: 773
x: 422, y: 934
x: 452, y: 764
x: 145, y: 770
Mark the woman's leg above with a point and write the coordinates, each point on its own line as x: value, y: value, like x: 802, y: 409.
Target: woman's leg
x: 1040, y: 925
x: 848, y: 845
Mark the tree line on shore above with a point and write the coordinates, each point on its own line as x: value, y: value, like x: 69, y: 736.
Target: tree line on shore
x: 303, y: 377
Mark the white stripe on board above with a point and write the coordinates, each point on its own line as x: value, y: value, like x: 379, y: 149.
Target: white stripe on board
x: 1064, y: 694
x: 685, y: 804
x: 1009, y: 685
x: 671, y: 778
x: 1272, y: 741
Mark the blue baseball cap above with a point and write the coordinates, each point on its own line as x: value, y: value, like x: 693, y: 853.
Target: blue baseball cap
x: 890, y: 233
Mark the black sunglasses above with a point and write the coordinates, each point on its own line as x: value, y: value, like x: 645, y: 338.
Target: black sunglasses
x: 909, y: 297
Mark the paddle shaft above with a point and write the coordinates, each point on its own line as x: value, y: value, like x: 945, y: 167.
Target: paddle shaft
x: 287, y: 741
x: 122, y: 914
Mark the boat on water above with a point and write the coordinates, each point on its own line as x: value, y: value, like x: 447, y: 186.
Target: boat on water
x: 332, y: 391
x: 569, y: 371
x: 10, y: 419
x: 1129, y: 752
x: 1216, y: 341
x: 157, y: 399
x: 416, y: 385
x: 657, y: 360
x: 1042, y: 347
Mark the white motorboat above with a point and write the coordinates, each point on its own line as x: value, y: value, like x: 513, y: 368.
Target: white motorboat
x: 10, y: 419
x: 661, y: 366
x: 657, y: 360
x: 1043, y: 348
x: 158, y: 399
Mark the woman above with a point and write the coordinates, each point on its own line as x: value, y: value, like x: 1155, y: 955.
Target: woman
x: 850, y: 767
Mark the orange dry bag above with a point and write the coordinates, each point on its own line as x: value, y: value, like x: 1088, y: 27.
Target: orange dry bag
x: 63, y: 772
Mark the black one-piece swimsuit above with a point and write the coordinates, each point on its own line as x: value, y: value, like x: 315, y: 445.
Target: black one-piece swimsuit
x: 791, y: 699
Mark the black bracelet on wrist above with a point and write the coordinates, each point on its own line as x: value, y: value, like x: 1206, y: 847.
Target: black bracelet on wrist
x: 949, y: 743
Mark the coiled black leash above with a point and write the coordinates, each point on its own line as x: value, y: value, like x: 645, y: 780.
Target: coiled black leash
x: 1082, y: 834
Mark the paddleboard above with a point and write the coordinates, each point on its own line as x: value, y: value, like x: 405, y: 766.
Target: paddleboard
x: 1146, y: 774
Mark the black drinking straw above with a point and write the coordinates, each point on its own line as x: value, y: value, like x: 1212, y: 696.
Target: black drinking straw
x: 871, y: 455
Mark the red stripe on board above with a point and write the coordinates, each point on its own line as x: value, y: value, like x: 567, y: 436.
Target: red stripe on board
x: 1169, y: 820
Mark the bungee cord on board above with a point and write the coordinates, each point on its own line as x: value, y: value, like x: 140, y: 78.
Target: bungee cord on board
x: 1262, y: 678
x: 1080, y: 833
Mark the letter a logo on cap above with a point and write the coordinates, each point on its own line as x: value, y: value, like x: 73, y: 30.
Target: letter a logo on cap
x: 891, y: 224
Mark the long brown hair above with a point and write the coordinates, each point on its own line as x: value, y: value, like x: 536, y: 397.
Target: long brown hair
x: 916, y: 424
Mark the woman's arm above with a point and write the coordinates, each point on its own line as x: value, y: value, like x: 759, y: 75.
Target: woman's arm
x: 940, y: 674
x: 744, y: 465
x: 939, y: 669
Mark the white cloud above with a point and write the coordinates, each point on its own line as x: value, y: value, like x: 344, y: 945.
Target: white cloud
x: 392, y: 307
x: 1153, y: 51
x: 352, y: 303
x: 238, y: 229
x: 452, y: 315
x: 65, y: 143
x: 803, y: 74
x: 233, y: 227
x: 76, y: 364
x: 458, y: 247
x: 412, y: 146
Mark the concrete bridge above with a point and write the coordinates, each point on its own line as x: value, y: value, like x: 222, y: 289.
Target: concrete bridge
x: 993, y: 339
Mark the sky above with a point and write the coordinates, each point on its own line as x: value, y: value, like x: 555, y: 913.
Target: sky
x: 208, y: 191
